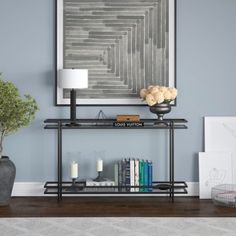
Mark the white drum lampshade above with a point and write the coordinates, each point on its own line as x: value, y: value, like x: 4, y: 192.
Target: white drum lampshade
x: 73, y: 78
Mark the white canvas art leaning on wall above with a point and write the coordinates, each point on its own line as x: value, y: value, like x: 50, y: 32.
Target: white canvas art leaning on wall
x: 214, y: 168
x: 220, y: 135
x: 217, y: 165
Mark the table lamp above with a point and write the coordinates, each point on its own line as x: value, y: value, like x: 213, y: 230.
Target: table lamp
x: 73, y: 79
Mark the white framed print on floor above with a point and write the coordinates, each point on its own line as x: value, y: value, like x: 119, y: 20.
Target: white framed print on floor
x: 220, y: 135
x: 214, y: 168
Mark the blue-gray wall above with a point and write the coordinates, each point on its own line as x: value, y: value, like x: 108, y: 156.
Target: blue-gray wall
x: 206, y: 78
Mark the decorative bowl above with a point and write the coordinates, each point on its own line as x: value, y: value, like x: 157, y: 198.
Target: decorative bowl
x: 160, y: 110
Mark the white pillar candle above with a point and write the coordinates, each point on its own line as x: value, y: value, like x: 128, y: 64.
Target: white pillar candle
x: 74, y: 170
x: 99, y: 165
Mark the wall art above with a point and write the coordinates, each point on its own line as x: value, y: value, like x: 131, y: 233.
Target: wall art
x: 214, y: 168
x: 126, y: 45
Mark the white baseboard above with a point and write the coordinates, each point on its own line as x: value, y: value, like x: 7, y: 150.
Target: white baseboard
x: 193, y: 189
x: 28, y: 189
x: 35, y: 189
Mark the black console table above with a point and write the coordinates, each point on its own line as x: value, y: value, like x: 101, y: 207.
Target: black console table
x: 170, y: 187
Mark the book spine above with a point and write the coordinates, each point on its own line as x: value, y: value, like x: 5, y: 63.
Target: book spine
x: 116, y: 175
x: 119, y: 175
x: 127, y: 175
x: 132, y: 175
x: 123, y: 173
x: 150, y: 176
x: 128, y: 124
x: 140, y: 176
x: 136, y: 174
x: 145, y: 176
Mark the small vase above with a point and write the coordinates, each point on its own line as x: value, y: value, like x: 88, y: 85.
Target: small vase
x: 160, y: 110
x: 7, y: 177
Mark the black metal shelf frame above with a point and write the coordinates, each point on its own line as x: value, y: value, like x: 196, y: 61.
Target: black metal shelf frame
x: 156, y: 188
x: 59, y: 187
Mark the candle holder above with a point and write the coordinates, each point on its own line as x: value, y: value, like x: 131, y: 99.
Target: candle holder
x: 99, y: 177
x: 74, y: 186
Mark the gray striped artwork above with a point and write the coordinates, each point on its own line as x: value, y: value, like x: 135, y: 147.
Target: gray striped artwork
x: 123, y: 43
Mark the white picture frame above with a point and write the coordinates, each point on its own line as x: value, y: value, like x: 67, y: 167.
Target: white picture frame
x: 214, y: 168
x: 126, y: 93
x: 220, y: 135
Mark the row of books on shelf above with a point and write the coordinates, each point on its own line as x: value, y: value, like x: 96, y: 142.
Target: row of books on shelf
x: 134, y: 174
x: 130, y: 175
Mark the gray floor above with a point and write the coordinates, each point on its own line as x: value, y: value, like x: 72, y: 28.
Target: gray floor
x: 117, y: 226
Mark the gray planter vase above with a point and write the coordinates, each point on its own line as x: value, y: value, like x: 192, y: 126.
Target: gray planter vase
x: 7, y: 177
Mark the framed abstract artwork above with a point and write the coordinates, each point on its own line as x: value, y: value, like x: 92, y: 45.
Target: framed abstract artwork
x: 126, y: 45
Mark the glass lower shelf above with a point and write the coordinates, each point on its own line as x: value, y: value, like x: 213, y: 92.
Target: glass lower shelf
x: 164, y: 187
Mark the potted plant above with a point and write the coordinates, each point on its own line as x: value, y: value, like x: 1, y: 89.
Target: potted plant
x: 15, y: 112
x: 159, y: 99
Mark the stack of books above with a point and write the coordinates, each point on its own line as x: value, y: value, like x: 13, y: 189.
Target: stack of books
x: 133, y: 175
x: 103, y: 186
x: 106, y: 182
x: 128, y: 124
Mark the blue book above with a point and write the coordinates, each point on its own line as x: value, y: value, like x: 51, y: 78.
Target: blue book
x: 145, y: 176
x: 150, y: 176
x: 141, y: 176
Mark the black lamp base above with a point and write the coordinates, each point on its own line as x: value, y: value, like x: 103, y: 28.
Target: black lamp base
x: 73, y: 121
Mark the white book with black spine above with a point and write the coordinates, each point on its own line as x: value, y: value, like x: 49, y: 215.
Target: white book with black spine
x: 136, y: 174
x: 132, y: 174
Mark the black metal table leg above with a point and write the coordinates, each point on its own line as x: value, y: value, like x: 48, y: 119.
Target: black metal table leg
x: 59, y: 164
x: 172, y: 161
